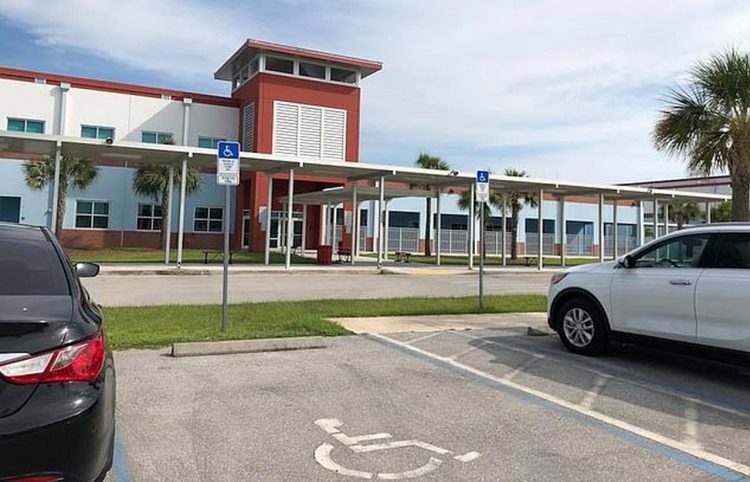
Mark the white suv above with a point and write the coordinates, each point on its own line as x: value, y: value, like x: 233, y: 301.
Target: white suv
x: 691, y: 286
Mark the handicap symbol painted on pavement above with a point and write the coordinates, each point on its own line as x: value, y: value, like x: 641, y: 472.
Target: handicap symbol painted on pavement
x: 331, y: 426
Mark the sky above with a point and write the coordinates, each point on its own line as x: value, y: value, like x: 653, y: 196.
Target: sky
x: 563, y: 89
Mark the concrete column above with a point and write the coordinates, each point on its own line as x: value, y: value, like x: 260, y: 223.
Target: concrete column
x: 601, y: 228
x: 540, y: 231
x: 181, y: 227
x: 472, y: 226
x: 167, y: 217
x: 334, y: 226
x: 355, y: 224
x: 563, y: 233
x: 269, y: 209
x: 289, y: 220
x: 381, y: 220
x: 708, y: 213
x: 504, y: 234
x: 386, y: 229
x: 615, y: 238
x: 439, y: 227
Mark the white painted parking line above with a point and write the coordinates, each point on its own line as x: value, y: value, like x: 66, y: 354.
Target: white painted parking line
x: 331, y: 427
x: 599, y: 383
x: 665, y: 441
x: 528, y: 363
x: 690, y: 436
x: 426, y: 337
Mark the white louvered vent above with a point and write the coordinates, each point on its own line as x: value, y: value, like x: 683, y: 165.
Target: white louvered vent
x: 334, y: 123
x: 286, y: 132
x: 311, y: 119
x: 309, y: 131
x: 248, y: 128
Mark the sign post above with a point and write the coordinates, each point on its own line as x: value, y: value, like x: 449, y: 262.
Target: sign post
x: 228, y: 175
x: 482, y: 189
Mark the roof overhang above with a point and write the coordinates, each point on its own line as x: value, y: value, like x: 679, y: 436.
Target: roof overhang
x: 418, y: 181
x: 251, y: 48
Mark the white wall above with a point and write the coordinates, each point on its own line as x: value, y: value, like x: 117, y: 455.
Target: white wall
x: 27, y: 100
x: 213, y: 121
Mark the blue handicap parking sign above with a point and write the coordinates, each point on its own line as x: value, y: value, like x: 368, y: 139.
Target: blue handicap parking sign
x: 228, y: 150
x: 483, y: 176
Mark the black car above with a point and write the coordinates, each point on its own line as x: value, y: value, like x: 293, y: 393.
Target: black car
x: 57, y: 378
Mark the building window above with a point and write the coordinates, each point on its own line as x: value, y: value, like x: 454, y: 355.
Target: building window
x: 343, y: 75
x: 312, y: 70
x: 248, y: 128
x: 26, y: 125
x: 150, y: 137
x: 309, y: 131
x: 208, y: 220
x: 254, y: 66
x: 92, y: 214
x: 209, y: 142
x: 276, y: 64
x: 96, y: 132
x: 149, y: 217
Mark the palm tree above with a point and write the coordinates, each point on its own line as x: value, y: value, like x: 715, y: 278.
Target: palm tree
x: 426, y: 161
x: 721, y: 213
x: 516, y: 201
x: 683, y: 213
x: 708, y: 123
x: 74, y: 171
x: 496, y: 200
x: 153, y: 180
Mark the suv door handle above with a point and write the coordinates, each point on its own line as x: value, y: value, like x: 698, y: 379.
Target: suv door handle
x: 681, y: 282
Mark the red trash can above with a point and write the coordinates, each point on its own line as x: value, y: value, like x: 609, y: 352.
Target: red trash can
x: 325, y: 254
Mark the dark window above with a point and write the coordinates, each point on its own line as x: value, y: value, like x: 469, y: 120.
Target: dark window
x: 30, y: 268
x: 532, y: 225
x: 92, y: 214
x: 403, y: 219
x: 276, y: 64
x: 149, y: 217
x: 312, y: 70
x: 208, y: 219
x: 682, y: 252
x: 496, y: 224
x: 581, y: 228
x: 622, y: 229
x: 10, y: 209
x: 452, y: 221
x: 734, y: 252
x: 343, y: 75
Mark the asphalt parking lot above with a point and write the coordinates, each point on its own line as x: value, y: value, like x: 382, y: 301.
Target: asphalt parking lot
x: 490, y: 404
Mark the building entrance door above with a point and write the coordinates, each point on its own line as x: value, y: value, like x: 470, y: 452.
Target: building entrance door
x: 278, y: 229
x: 246, y: 228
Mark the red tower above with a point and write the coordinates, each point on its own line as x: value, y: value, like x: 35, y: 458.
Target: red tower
x: 293, y: 102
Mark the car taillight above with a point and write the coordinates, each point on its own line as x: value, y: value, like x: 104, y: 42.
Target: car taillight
x: 81, y: 362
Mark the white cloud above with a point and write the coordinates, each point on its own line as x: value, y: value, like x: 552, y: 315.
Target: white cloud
x: 564, y: 89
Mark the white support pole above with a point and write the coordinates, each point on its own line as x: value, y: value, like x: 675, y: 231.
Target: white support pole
x: 56, y: 187
x: 289, y: 220
x: 355, y: 224
x: 641, y: 227
x: 439, y: 228
x: 666, y: 218
x: 504, y: 234
x: 471, y: 225
x: 334, y: 226
x: 601, y: 228
x: 615, y: 238
x: 269, y: 208
x: 656, y: 218
x: 540, y: 232
x: 282, y: 228
x: 708, y: 213
x: 327, y: 235
x: 167, y: 217
x: 181, y: 227
x: 381, y: 221
x: 304, y: 227
x: 563, y: 232
x: 386, y: 229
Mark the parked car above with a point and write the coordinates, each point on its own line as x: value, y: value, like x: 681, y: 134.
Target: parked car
x: 690, y: 287
x: 57, y: 378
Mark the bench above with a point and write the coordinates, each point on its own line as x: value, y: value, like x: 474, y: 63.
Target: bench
x: 530, y: 260
x: 403, y: 256
x: 212, y: 255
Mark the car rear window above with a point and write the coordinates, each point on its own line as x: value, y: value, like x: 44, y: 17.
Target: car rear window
x: 30, y: 267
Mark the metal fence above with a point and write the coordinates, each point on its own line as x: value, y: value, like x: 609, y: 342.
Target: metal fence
x: 493, y: 242
x: 454, y: 241
x: 532, y: 244
x: 579, y: 245
x: 624, y: 244
x: 403, y: 239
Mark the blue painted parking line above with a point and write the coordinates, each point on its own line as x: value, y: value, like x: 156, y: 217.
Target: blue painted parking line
x: 120, y: 464
x: 618, y: 432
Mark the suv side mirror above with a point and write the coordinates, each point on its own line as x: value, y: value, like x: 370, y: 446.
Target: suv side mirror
x: 628, y: 262
x: 87, y: 270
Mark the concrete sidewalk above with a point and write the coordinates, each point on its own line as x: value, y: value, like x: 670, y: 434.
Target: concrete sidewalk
x: 430, y: 323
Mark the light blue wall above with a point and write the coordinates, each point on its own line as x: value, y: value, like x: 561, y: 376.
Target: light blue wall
x: 113, y: 184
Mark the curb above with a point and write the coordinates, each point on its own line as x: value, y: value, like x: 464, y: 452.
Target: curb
x: 246, y: 346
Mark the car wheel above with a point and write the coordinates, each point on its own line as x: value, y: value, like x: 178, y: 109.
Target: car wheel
x: 582, y: 328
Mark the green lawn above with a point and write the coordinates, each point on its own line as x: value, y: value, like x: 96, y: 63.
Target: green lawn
x: 144, y: 255
x: 453, y: 260
x: 156, y: 326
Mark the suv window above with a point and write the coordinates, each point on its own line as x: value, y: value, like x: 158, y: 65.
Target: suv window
x: 734, y: 252
x: 30, y: 268
x: 682, y: 252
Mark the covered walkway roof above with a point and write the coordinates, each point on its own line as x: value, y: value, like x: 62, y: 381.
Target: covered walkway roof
x: 137, y: 152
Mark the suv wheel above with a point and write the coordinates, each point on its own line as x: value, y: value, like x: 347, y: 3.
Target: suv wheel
x: 581, y: 326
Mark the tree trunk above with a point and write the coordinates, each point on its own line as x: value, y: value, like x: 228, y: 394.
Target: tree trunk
x: 61, y: 197
x: 428, y: 224
x: 514, y: 233
x: 741, y: 195
x: 164, y: 218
